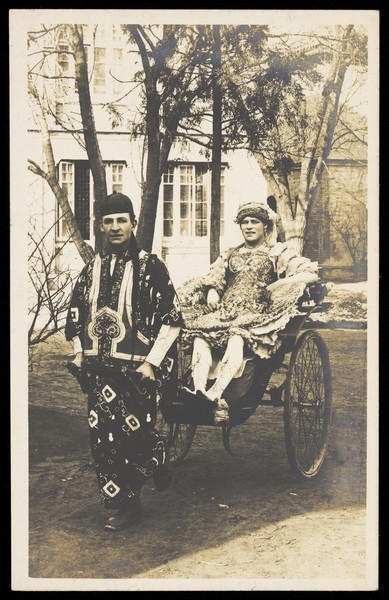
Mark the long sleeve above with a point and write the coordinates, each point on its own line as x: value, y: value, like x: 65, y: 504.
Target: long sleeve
x: 166, y: 336
x: 77, y: 345
x: 216, y: 276
x: 288, y: 262
x: 167, y: 306
x: 193, y: 293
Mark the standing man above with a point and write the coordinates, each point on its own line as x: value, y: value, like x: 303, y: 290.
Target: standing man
x: 124, y: 318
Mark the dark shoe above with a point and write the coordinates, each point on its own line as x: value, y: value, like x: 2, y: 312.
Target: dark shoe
x: 204, y: 396
x: 184, y: 388
x: 163, y: 476
x: 127, y: 515
x: 221, y: 416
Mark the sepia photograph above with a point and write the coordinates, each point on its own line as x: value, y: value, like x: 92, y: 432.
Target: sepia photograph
x: 194, y: 204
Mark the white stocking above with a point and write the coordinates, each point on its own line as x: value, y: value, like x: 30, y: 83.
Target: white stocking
x: 231, y: 362
x: 201, y: 363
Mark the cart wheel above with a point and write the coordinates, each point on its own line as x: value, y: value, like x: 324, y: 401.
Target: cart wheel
x: 178, y: 437
x: 180, y: 441
x: 307, y: 405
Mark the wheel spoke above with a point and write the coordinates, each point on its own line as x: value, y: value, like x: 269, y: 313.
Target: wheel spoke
x: 307, y: 405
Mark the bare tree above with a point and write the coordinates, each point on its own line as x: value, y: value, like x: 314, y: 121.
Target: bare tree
x: 49, y: 303
x: 348, y: 218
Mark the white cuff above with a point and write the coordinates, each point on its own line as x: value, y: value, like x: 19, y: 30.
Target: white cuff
x: 166, y: 336
x: 77, y: 347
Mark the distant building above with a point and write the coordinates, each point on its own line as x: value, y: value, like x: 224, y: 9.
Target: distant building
x: 336, y: 234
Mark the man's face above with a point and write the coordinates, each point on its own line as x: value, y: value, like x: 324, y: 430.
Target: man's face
x: 253, y: 231
x: 117, y: 228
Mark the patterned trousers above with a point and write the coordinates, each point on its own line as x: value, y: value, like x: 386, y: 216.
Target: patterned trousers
x: 124, y: 443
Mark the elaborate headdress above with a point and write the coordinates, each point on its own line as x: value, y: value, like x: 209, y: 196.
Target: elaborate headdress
x: 256, y: 209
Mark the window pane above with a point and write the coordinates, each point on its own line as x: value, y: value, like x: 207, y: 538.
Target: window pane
x: 99, y: 70
x: 117, y: 173
x: 168, y: 193
x: 201, y: 210
x: 193, y: 200
x: 201, y: 204
x: 117, y: 69
x: 168, y: 228
x: 99, y: 55
x: 168, y: 210
x: 184, y: 210
x: 186, y: 174
x: 185, y: 193
x: 184, y: 228
x: 201, y: 228
x: 168, y: 175
x: 116, y: 32
x: 82, y: 198
x: 66, y: 181
x: 117, y: 55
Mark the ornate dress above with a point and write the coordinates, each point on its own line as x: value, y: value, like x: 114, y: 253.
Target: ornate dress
x: 247, y: 308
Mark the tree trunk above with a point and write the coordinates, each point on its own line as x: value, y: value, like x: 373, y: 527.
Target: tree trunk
x: 313, y: 166
x: 148, y: 212
x: 216, y: 146
x: 90, y: 136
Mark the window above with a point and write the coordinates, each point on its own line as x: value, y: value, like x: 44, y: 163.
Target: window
x: 62, y: 69
x: 187, y: 200
x: 117, y: 177
x: 168, y: 202
x: 75, y: 178
x: 99, y: 79
x: 117, y: 69
x: 66, y: 182
x: 117, y: 33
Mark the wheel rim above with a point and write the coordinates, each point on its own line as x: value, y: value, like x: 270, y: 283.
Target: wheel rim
x: 177, y: 437
x: 308, y: 405
x: 180, y: 440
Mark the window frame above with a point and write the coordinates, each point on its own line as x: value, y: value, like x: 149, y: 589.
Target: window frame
x: 60, y: 234
x: 60, y: 231
x: 175, y: 169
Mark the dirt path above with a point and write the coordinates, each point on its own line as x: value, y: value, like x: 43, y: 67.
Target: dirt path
x: 223, y: 518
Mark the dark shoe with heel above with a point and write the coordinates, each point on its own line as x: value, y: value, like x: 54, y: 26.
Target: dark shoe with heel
x: 126, y: 515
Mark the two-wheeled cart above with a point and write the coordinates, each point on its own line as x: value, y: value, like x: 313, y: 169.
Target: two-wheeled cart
x: 302, y: 363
